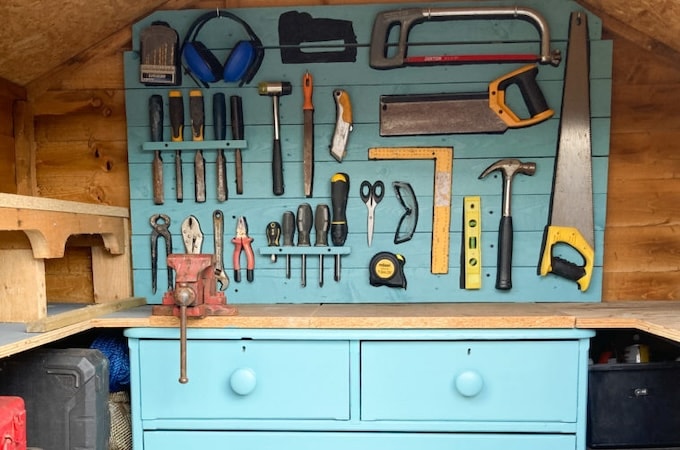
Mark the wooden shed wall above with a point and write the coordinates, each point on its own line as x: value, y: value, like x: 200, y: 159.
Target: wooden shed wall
x: 80, y: 153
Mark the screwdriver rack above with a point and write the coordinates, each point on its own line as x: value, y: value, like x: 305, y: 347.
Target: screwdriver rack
x: 364, y: 85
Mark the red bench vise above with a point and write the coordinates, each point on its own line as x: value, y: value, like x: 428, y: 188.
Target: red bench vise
x: 195, y: 288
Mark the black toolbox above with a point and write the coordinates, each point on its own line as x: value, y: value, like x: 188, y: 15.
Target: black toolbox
x: 634, y: 405
x: 66, y: 394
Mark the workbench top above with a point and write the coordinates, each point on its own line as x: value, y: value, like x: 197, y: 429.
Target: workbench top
x: 661, y: 318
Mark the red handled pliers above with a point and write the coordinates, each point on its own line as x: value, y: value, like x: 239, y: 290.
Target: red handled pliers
x: 242, y: 243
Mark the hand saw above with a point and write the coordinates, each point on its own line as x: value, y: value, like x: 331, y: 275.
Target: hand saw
x: 483, y: 112
x: 384, y: 57
x: 571, y: 204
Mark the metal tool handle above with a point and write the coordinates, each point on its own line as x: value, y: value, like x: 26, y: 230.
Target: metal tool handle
x: 218, y: 238
x: 405, y: 19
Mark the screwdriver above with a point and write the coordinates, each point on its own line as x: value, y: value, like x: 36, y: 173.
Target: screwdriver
x: 339, y: 192
x: 287, y: 231
x: 156, y: 124
x: 273, y: 235
x: 322, y: 217
x: 177, y: 125
x: 197, y: 116
x: 220, y: 126
x: 304, y: 226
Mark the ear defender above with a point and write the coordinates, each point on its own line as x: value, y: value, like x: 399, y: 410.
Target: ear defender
x: 201, y: 62
x: 239, y: 61
x: 242, y: 63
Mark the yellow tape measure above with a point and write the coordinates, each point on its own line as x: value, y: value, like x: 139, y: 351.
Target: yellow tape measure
x: 441, y: 214
x: 471, y: 255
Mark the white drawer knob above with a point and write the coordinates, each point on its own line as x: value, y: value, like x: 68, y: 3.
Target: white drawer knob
x: 469, y: 383
x: 243, y: 381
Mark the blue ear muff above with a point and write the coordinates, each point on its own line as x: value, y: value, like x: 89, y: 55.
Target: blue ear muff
x: 202, y: 62
x: 241, y: 65
x: 239, y: 61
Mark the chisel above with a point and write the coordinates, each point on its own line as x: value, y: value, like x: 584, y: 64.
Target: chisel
x: 156, y: 125
x: 197, y: 114
x: 220, y: 126
x: 308, y: 145
x: 177, y: 124
x: 237, y: 134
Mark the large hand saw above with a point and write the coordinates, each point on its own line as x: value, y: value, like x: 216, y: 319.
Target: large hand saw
x: 571, y: 202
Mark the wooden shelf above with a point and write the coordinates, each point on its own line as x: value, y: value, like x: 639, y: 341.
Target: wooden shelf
x: 33, y: 229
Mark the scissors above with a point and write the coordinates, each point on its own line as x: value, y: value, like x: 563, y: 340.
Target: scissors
x: 371, y: 194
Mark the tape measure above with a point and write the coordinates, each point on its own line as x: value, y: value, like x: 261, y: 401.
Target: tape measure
x: 441, y: 214
x: 387, y: 269
x: 471, y: 253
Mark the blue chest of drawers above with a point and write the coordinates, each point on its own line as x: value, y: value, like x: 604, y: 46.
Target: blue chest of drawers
x: 360, y: 389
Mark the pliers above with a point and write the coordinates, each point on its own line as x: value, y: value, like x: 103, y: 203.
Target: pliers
x: 160, y: 224
x: 192, y: 235
x: 242, y: 243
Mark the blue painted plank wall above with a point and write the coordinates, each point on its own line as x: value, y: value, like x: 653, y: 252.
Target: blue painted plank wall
x: 472, y: 153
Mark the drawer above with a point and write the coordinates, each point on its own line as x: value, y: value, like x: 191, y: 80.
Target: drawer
x: 182, y: 440
x: 245, y: 379
x: 486, y: 381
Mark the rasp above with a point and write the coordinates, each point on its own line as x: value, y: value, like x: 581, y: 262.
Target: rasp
x: 308, y: 146
x: 570, y: 220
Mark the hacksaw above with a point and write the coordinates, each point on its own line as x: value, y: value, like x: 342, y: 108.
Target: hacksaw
x: 441, y: 214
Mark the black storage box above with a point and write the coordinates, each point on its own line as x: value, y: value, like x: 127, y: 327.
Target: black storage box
x: 66, y: 394
x: 634, y: 405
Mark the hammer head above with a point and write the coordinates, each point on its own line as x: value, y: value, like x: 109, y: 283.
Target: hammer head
x: 274, y: 88
x: 509, y: 167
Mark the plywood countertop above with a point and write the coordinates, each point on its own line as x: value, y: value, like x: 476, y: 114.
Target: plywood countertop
x: 661, y: 318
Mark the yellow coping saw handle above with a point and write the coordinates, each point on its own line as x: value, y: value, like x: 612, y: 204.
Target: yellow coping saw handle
x: 552, y: 264
x: 525, y: 79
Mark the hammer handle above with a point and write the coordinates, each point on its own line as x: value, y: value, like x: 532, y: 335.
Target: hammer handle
x: 277, y: 168
x: 504, y: 264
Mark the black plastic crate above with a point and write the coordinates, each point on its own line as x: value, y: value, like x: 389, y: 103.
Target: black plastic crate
x: 634, y: 405
x: 66, y: 394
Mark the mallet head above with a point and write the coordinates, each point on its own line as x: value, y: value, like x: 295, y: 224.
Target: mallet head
x: 274, y: 88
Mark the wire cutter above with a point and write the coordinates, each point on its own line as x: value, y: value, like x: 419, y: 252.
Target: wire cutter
x: 192, y: 235
x: 160, y: 224
x: 371, y: 194
x: 242, y: 243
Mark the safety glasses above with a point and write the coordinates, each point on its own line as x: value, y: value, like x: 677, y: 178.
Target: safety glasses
x: 408, y: 221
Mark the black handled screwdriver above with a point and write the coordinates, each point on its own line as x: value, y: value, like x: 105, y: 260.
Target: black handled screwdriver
x: 322, y: 218
x: 339, y: 229
x: 273, y: 236
x: 304, y: 226
x: 287, y: 231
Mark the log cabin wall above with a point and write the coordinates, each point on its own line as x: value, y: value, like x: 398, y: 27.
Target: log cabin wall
x: 81, y: 155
